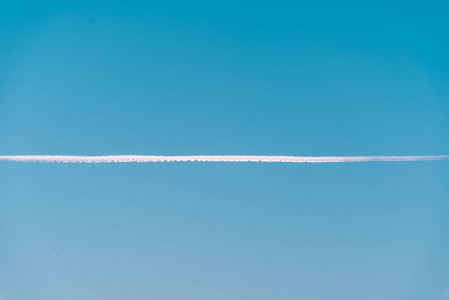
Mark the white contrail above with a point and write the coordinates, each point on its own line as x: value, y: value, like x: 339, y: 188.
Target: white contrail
x: 212, y: 158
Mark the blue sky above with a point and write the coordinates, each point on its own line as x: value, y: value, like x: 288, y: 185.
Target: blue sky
x: 263, y: 78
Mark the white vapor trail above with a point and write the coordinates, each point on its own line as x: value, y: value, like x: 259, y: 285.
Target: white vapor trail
x: 212, y: 158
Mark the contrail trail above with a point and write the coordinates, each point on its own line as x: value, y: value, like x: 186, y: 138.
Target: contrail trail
x: 212, y: 158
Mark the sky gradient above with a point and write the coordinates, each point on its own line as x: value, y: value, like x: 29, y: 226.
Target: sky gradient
x: 293, y: 78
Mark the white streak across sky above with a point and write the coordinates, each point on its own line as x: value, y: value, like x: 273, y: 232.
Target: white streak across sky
x: 212, y: 158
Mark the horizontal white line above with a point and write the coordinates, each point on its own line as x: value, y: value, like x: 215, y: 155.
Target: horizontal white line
x: 212, y: 158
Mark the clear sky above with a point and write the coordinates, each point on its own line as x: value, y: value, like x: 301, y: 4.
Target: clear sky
x: 224, y: 77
